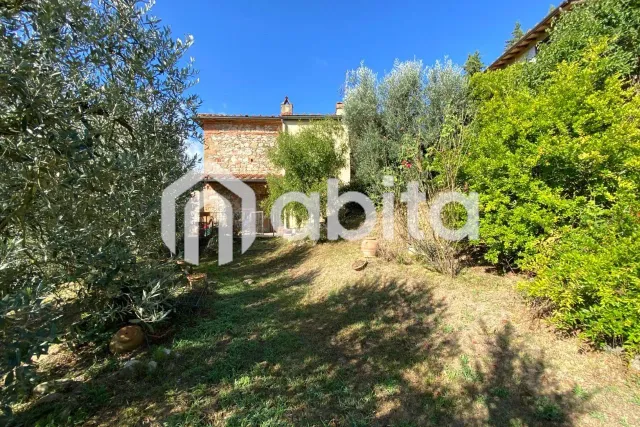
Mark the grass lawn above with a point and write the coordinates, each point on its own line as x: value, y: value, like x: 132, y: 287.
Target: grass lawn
x: 289, y: 334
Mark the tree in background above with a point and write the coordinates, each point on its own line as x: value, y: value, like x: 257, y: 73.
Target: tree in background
x: 446, y: 137
x: 93, y: 123
x: 474, y: 64
x: 394, y: 122
x: 516, y: 35
x: 308, y: 158
x: 380, y: 115
x: 410, y: 125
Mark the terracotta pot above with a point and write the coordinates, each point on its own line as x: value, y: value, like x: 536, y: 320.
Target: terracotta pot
x: 359, y: 264
x: 126, y: 339
x: 369, y: 247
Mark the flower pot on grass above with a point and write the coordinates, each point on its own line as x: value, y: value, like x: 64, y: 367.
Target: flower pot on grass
x: 126, y: 339
x: 369, y: 248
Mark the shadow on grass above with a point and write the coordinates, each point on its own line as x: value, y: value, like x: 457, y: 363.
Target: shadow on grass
x: 517, y: 388
x: 370, y: 352
x: 341, y: 360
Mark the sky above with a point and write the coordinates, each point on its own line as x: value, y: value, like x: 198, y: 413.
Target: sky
x: 251, y: 54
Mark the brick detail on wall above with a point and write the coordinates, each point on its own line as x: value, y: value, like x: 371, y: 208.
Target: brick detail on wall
x: 240, y: 146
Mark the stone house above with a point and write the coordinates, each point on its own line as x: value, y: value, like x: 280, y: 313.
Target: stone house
x: 239, y: 144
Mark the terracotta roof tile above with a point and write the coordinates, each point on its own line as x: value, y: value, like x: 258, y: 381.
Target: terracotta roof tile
x: 234, y: 116
x: 247, y: 116
x: 240, y: 176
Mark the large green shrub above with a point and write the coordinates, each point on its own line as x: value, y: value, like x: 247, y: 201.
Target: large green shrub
x: 557, y: 166
x: 556, y: 161
x: 543, y: 155
x: 591, y: 277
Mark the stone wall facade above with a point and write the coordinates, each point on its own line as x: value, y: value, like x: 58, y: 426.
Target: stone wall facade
x: 240, y: 146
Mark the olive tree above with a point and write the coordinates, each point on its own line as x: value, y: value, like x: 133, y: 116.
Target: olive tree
x: 381, y: 115
x: 411, y: 125
x: 94, y: 115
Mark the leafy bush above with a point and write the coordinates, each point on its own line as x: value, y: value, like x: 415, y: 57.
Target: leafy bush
x: 574, y: 31
x: 592, y: 278
x: 557, y: 166
x: 542, y: 156
x: 308, y: 158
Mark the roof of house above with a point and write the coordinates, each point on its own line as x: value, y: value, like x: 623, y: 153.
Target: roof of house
x: 303, y: 116
x: 285, y: 114
x: 532, y: 36
x: 246, y: 177
x: 207, y: 116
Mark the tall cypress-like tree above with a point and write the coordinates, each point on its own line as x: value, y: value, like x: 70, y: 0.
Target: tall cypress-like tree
x: 516, y: 35
x: 473, y: 64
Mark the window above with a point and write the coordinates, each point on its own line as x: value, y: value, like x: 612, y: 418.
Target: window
x: 531, y: 53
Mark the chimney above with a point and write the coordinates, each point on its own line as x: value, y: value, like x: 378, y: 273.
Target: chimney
x: 286, y: 108
x: 339, y: 108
